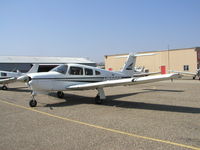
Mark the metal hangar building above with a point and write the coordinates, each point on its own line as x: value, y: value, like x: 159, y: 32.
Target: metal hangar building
x: 24, y: 63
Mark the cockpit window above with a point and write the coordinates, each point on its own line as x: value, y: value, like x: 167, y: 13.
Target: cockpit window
x: 61, y: 69
x: 76, y: 71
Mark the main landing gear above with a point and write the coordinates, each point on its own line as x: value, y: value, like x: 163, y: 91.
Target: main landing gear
x: 60, y: 94
x: 194, y: 77
x: 100, y: 96
x: 98, y: 99
x: 4, y: 87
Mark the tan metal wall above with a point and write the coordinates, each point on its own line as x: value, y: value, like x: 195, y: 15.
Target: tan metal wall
x: 172, y: 59
x: 115, y: 62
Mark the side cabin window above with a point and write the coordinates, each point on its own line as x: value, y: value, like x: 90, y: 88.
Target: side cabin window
x: 97, y: 72
x: 88, y: 71
x: 3, y: 74
x: 76, y: 71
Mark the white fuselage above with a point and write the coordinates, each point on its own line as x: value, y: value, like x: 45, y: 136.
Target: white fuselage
x: 72, y: 74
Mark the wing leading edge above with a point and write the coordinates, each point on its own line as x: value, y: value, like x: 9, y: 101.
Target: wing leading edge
x: 127, y: 81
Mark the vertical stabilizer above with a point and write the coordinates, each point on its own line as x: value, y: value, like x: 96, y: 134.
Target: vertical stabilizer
x: 129, y: 66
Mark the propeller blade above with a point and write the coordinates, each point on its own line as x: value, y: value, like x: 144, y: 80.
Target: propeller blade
x: 24, y: 78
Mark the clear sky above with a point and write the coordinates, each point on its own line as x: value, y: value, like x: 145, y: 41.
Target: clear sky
x: 94, y: 28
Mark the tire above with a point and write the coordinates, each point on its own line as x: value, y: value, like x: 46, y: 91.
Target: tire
x: 60, y: 94
x: 4, y: 87
x: 33, y: 103
x: 98, y: 100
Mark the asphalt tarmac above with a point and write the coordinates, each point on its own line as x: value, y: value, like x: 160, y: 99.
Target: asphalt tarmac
x: 158, y: 116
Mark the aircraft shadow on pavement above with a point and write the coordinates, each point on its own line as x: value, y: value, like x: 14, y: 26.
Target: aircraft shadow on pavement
x: 112, y: 101
x: 19, y: 89
x: 162, y: 90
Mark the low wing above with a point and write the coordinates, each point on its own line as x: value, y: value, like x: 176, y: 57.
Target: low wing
x: 8, y: 80
x: 127, y: 81
x: 145, y: 74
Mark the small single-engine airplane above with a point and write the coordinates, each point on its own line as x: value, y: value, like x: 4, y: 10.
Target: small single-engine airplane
x: 7, y: 77
x: 131, y: 70
x: 82, y: 77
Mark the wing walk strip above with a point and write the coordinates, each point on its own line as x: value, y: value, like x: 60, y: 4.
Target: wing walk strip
x: 100, y: 127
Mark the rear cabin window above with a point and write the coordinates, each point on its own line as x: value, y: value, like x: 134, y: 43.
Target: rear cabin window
x: 97, y: 72
x: 3, y: 74
x: 88, y: 71
x: 76, y: 71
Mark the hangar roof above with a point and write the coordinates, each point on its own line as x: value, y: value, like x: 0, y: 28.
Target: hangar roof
x: 43, y: 60
x: 195, y: 48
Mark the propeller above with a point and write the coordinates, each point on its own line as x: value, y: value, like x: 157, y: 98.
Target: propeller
x: 24, y: 78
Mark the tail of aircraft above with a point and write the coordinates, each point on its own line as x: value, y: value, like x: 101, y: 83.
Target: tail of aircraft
x: 128, y: 68
x: 34, y: 68
x: 19, y: 73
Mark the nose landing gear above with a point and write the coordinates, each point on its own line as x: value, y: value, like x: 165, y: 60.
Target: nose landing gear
x: 33, y: 102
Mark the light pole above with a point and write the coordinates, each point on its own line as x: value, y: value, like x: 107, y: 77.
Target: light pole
x: 168, y: 60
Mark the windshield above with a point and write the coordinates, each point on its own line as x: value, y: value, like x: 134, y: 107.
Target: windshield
x: 61, y: 69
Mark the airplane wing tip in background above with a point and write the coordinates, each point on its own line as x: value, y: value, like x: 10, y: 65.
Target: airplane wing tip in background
x: 8, y: 80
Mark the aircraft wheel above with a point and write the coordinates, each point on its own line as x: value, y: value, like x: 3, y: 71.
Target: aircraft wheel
x: 60, y: 94
x: 33, y: 103
x: 4, y: 87
x: 98, y: 100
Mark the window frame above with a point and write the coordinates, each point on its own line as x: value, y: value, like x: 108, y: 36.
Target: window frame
x: 186, y: 67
